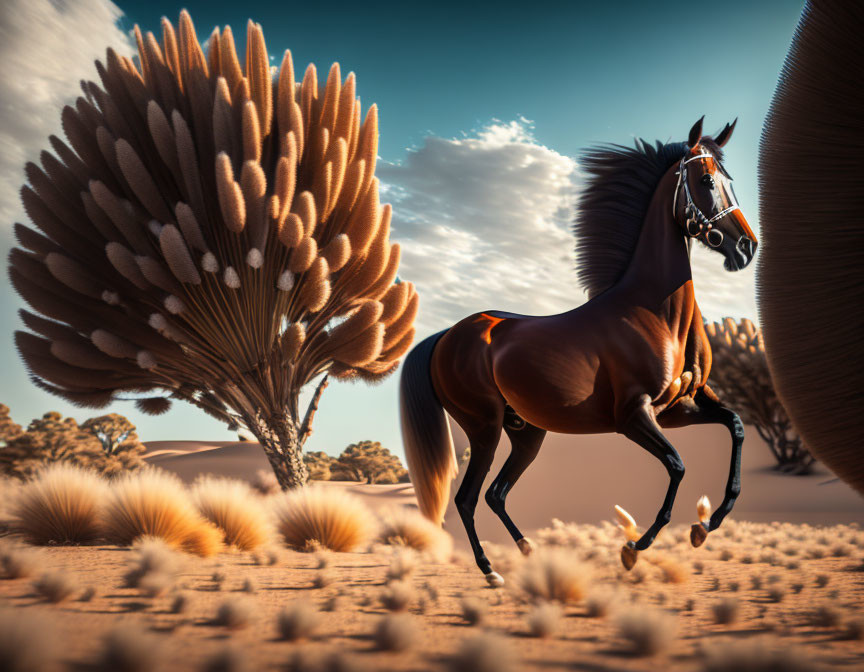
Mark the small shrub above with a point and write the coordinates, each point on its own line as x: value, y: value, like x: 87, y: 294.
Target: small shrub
x: 734, y: 586
x: 473, y: 610
x: 725, y: 611
x: 671, y: 570
x: 19, y: 562
x: 235, y: 613
x: 776, y: 593
x: 232, y: 507
x: 129, y: 649
x: 228, y: 659
x: 756, y: 656
x: 397, y: 596
x: 27, y: 640
x: 544, y: 620
x: 323, y: 579
x: 152, y: 557
x: 822, y: 580
x: 265, y: 482
x: 60, y: 505
x: 600, y: 602
x: 554, y: 575
x: 179, y: 604
x: 484, y: 653
x: 396, y: 632
x: 646, y: 632
x: 402, y: 565
x: 88, y: 594
x: 155, y: 504
x: 297, y: 621
x: 249, y: 586
x: 726, y: 555
x: 824, y: 616
x: 406, y: 527
x: 853, y: 630
x: 756, y: 582
x: 55, y: 586
x: 796, y: 587
x: 333, y: 518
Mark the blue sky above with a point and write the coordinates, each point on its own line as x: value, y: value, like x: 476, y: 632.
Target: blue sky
x: 466, y: 91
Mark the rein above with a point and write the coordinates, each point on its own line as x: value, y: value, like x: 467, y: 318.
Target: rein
x: 695, y: 217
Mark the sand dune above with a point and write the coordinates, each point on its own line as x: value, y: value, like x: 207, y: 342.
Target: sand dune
x: 581, y: 478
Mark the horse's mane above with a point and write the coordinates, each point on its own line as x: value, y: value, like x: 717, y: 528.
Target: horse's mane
x: 612, y: 206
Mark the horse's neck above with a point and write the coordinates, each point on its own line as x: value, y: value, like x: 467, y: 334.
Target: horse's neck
x: 660, y: 267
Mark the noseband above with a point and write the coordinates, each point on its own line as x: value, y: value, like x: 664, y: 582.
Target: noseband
x: 697, y: 222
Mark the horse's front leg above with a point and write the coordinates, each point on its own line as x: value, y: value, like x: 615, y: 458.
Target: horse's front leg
x: 640, y: 426
x: 714, y: 411
x: 707, y: 409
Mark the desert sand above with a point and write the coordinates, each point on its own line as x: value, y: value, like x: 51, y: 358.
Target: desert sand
x: 795, y: 584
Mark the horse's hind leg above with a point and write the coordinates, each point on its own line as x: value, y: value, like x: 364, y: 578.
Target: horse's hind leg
x: 483, y: 444
x: 525, y: 444
x: 642, y: 428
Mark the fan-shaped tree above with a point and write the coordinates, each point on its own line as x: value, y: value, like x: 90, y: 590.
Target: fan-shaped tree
x: 213, y: 234
x: 740, y: 377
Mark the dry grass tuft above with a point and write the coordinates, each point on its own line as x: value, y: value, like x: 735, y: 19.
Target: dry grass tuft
x: 759, y: 655
x: 402, y: 565
x: 671, y: 570
x: 397, y: 596
x: 323, y: 578
x: 600, y: 602
x: 473, y: 610
x: 155, y: 504
x: 129, y: 649
x: 235, y: 509
x: 179, y: 604
x: 235, y: 613
x: 60, y: 505
x: 297, y: 621
x: 19, y: 562
x: 227, y: 659
x: 55, y: 586
x: 544, y: 620
x: 825, y: 616
x: 484, y: 653
x: 154, y: 566
x: 646, y: 631
x: 27, y: 641
x: 406, y: 527
x: 396, y: 632
x: 776, y: 593
x: 853, y: 629
x: 555, y: 575
x: 725, y: 611
x: 333, y: 518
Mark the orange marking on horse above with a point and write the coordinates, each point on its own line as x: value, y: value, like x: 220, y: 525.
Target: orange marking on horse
x: 738, y: 216
x: 492, y: 322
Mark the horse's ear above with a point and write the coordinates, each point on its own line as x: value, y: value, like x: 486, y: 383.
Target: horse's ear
x: 695, y: 133
x: 724, y: 135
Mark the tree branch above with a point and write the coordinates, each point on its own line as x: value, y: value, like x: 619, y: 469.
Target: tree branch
x: 306, y: 426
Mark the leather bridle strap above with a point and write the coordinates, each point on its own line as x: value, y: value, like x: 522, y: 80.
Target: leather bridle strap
x: 695, y: 217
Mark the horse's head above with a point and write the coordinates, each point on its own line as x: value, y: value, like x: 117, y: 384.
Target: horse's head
x: 705, y: 205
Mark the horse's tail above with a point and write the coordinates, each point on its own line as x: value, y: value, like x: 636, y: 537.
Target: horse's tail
x: 426, y: 433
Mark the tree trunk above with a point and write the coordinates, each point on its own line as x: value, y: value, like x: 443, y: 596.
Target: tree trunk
x: 281, y: 443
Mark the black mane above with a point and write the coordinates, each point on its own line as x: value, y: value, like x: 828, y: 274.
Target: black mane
x: 612, y: 206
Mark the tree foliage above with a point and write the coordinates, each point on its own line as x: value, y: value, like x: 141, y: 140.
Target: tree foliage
x: 9, y: 429
x: 368, y: 461
x: 740, y: 377
x: 212, y: 233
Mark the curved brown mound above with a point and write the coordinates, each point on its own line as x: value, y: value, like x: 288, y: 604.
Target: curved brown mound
x: 811, y: 268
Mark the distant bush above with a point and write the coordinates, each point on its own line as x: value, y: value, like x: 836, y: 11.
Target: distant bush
x: 370, y: 462
x: 740, y: 377
x: 107, y: 444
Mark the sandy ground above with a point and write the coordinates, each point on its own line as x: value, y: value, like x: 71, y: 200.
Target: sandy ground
x: 185, y: 641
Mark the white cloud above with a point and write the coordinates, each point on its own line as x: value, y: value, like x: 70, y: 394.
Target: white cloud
x: 46, y: 47
x: 485, y: 223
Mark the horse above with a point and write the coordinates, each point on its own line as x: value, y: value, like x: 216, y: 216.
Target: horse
x: 633, y: 359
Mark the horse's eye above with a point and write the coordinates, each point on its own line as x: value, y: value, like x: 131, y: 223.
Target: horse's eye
x: 707, y: 180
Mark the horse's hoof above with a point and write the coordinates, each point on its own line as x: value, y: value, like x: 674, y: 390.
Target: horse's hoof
x: 698, y: 534
x: 494, y: 579
x: 525, y: 545
x: 629, y: 554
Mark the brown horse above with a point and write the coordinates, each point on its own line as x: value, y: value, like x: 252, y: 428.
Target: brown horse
x: 631, y: 360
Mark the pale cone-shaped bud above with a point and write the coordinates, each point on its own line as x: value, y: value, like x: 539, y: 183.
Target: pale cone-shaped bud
x: 703, y: 509
x: 209, y: 263
x: 231, y: 278
x: 626, y: 524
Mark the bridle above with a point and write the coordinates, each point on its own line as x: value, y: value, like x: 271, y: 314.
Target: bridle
x: 696, y: 221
